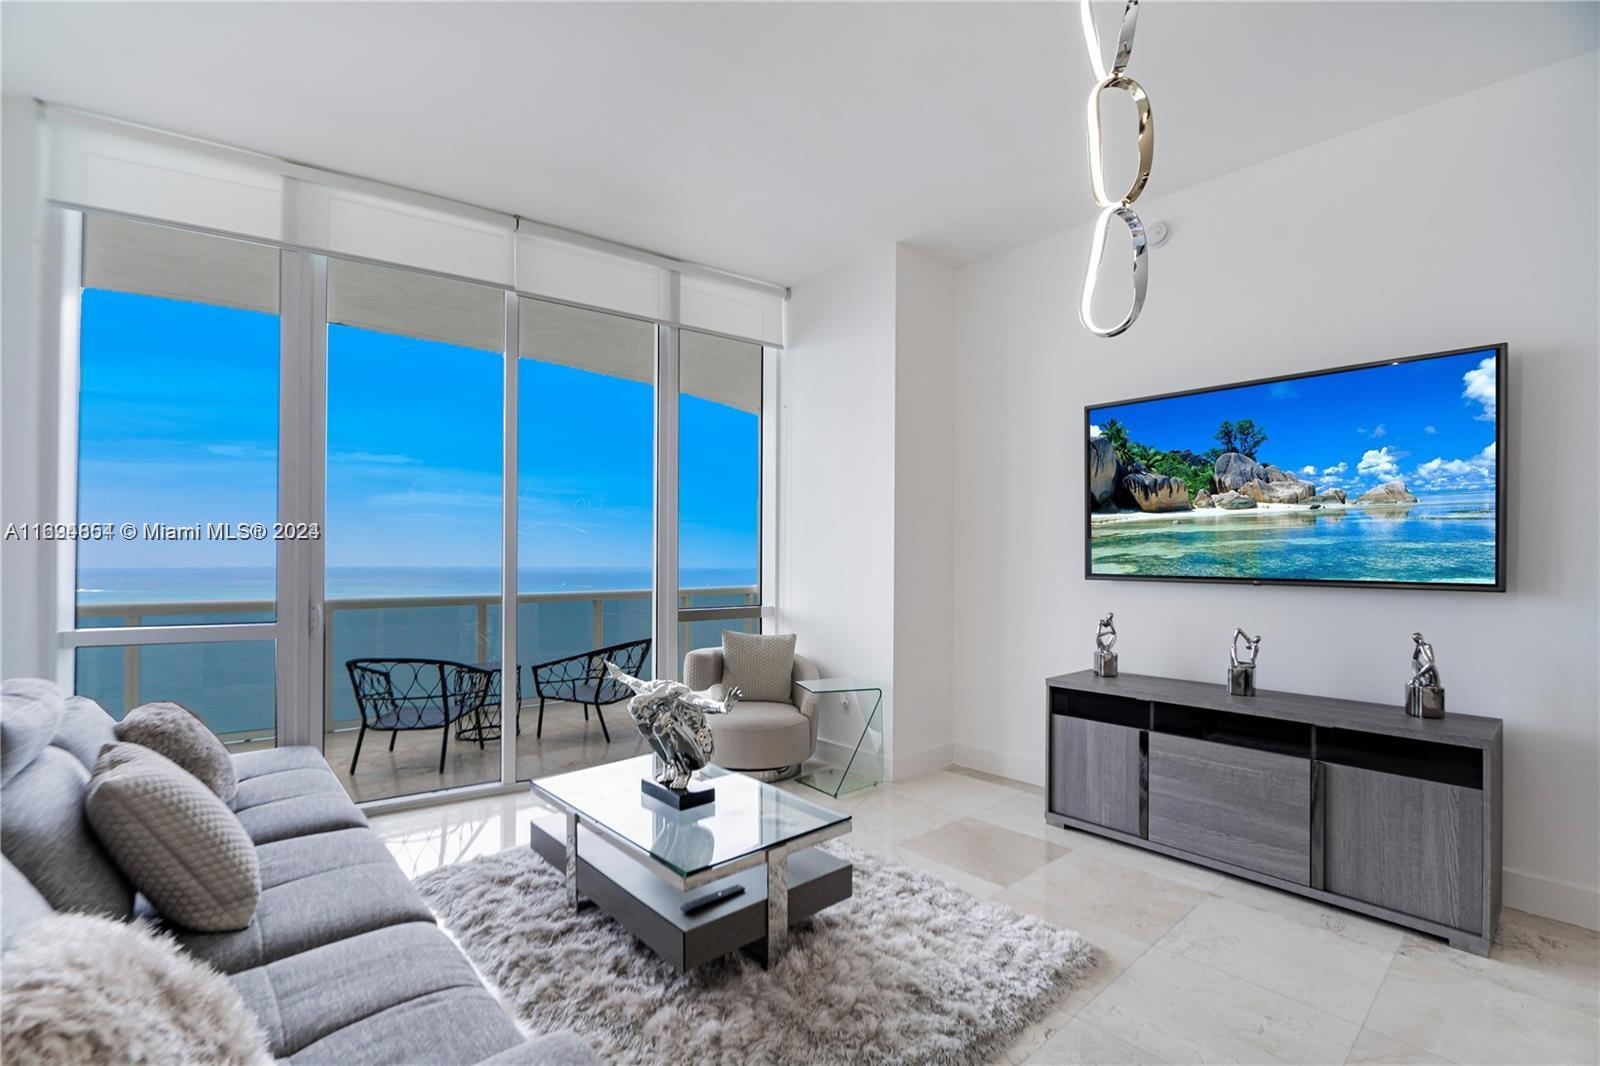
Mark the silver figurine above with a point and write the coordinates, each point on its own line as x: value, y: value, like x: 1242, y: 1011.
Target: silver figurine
x: 672, y: 718
x: 1242, y: 672
x: 1105, y: 660
x: 1424, y: 693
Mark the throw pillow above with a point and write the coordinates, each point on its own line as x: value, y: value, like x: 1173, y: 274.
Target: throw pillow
x: 178, y: 733
x: 762, y: 666
x: 174, y: 839
x: 85, y: 989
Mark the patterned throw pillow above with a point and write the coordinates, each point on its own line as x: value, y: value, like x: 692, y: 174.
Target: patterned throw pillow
x: 90, y: 990
x: 174, y: 839
x: 762, y: 666
x: 173, y: 730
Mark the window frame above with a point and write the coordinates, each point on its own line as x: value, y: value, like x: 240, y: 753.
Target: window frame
x: 298, y: 630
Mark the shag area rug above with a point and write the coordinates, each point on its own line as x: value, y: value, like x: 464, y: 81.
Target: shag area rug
x: 910, y: 970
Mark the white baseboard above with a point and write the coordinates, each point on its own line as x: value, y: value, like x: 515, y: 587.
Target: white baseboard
x: 1525, y: 892
x: 1551, y: 899
x: 917, y: 763
x: 1028, y: 769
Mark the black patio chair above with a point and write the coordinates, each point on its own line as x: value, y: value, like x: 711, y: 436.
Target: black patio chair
x: 582, y: 679
x: 404, y: 694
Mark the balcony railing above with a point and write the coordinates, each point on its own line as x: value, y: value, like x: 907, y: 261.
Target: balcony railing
x: 550, y: 625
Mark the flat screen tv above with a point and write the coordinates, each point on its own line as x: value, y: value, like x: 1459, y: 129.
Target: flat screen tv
x: 1384, y: 474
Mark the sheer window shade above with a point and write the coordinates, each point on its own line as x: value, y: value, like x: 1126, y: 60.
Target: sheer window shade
x: 416, y: 305
x: 587, y: 340
x: 720, y: 370
x: 178, y: 264
x: 712, y: 368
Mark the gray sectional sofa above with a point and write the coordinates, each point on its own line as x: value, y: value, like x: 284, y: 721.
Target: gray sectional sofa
x: 343, y: 962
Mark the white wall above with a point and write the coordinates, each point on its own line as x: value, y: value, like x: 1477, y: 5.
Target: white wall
x: 1470, y: 221
x: 925, y: 351
x: 27, y: 401
x: 865, y: 528
x: 836, y: 480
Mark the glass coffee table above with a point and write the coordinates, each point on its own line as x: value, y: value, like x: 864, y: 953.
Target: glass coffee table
x: 751, y: 853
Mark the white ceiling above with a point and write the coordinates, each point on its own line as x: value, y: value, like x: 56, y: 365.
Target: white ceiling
x: 775, y: 140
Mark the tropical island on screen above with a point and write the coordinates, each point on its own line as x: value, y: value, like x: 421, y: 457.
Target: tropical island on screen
x: 1377, y: 474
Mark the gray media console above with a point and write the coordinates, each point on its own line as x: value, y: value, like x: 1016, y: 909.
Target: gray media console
x: 1353, y: 804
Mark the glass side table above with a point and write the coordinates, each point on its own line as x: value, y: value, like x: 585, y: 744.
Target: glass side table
x: 863, y: 768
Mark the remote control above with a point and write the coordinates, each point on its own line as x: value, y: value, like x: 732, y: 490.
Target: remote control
x: 711, y: 899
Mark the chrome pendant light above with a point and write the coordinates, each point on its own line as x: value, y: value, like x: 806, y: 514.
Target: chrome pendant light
x: 1112, y: 77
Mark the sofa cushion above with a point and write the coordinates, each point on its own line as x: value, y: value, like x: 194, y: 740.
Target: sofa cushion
x: 48, y: 838
x: 20, y: 904
x: 289, y: 860
x: 86, y: 989
x: 30, y: 710
x: 178, y: 733
x: 174, y: 838
x: 285, y: 784
x: 456, y: 1026
x: 301, y: 815
x: 760, y: 736
x: 248, y: 764
x: 294, y: 916
x: 307, y: 997
x: 84, y: 730
x: 762, y: 666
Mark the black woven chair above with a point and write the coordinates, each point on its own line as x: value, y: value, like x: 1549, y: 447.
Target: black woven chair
x: 404, y: 694
x: 582, y: 679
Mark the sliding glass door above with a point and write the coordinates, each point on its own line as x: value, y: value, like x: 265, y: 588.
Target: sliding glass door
x: 412, y: 583
x: 719, y: 488
x: 585, y: 505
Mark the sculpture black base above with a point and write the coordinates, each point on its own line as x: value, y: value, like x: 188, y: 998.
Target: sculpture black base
x: 678, y: 801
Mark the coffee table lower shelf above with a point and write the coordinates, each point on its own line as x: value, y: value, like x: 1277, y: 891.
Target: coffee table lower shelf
x: 651, y: 909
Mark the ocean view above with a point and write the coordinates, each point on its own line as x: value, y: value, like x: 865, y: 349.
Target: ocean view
x: 232, y: 684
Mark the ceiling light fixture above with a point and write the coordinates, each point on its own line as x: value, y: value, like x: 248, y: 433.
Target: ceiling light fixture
x: 1114, y: 78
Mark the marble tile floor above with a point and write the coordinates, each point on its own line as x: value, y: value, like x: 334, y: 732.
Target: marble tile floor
x: 1196, y: 966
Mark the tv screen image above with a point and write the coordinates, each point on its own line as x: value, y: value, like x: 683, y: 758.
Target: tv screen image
x: 1385, y: 473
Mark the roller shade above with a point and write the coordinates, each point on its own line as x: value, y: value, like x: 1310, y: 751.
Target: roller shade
x: 587, y: 340
x: 109, y: 166
x: 720, y: 370
x: 102, y: 165
x: 416, y: 305
x: 713, y: 368
x: 564, y: 270
x: 729, y: 307
x: 178, y: 264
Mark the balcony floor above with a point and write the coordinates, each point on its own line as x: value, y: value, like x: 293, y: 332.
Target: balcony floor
x: 569, y: 743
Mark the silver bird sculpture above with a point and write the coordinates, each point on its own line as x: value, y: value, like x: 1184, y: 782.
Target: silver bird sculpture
x: 672, y: 718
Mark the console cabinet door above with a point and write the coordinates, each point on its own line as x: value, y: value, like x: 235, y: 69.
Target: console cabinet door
x: 1238, y: 805
x: 1094, y: 772
x: 1412, y: 845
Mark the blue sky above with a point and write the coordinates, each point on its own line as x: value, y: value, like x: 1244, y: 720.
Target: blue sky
x: 178, y: 424
x: 1428, y: 423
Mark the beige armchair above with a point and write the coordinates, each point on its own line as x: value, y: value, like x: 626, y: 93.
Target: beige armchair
x: 765, y: 740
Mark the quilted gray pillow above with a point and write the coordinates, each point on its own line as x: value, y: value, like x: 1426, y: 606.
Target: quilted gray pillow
x: 90, y: 990
x: 174, y: 839
x: 762, y: 666
x: 178, y: 733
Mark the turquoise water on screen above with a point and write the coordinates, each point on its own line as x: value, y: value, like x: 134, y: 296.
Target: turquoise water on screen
x: 1445, y: 538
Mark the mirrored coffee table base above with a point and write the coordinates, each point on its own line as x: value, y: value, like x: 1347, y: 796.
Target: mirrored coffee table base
x: 757, y: 920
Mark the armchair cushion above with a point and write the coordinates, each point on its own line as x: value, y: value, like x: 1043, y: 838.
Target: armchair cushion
x: 761, y: 665
x: 760, y: 735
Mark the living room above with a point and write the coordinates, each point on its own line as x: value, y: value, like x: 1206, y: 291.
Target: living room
x: 960, y: 611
